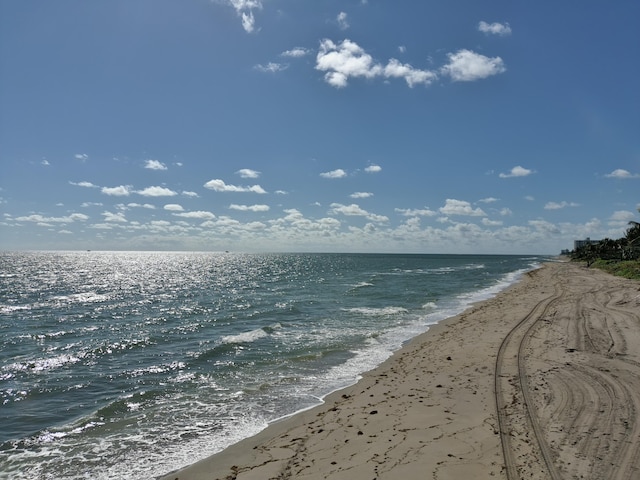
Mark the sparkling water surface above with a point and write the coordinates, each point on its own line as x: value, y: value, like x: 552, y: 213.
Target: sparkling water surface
x: 133, y: 364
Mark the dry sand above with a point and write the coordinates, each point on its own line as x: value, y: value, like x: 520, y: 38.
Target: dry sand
x: 542, y: 381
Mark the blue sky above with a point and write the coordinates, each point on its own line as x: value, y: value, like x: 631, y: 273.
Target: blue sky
x: 291, y: 125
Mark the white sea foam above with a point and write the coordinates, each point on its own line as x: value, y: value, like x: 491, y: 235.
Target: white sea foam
x: 384, y: 311
x: 246, y: 337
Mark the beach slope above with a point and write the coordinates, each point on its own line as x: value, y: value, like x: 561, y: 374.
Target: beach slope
x: 542, y: 381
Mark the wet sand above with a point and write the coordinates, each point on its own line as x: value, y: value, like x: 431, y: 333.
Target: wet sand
x: 540, y: 382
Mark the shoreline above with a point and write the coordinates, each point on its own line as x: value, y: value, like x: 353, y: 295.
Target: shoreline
x: 430, y: 409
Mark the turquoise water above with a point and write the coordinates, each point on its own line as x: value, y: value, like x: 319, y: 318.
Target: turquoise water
x: 130, y: 365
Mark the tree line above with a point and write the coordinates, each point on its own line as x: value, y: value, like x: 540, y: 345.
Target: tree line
x: 624, y: 248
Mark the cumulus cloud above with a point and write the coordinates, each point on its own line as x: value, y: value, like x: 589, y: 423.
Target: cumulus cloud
x: 373, y: 169
x: 419, y: 212
x: 219, y: 186
x: 42, y: 219
x: 148, y: 206
x: 622, y: 174
x: 413, y: 76
x: 467, y: 66
x: 338, y: 173
x: 361, y: 195
x: 155, y: 165
x: 120, y: 191
x: 560, y: 205
x: 114, y: 217
x: 248, y: 173
x: 296, y: 52
x: 517, y: 172
x: 173, y: 207
x: 81, y: 156
x: 271, y: 67
x: 345, y: 60
x: 343, y: 23
x: 491, y: 223
x: 84, y: 184
x: 156, y: 192
x: 460, y: 207
x: 45, y: 162
x: 187, y: 193
x: 202, y: 215
x: 244, y: 9
x: 355, y: 210
x: 488, y: 200
x: 249, y: 208
x: 621, y: 218
x: 495, y: 28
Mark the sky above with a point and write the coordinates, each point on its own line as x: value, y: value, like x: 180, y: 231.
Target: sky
x: 451, y: 126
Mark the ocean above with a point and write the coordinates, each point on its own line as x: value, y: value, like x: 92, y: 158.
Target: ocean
x: 129, y: 365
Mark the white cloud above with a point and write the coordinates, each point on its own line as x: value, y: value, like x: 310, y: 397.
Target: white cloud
x: 45, y: 162
x: 517, y: 172
x: 412, y: 76
x: 338, y: 173
x: 249, y: 208
x: 466, y: 66
x: 505, y: 212
x: 347, y: 59
x: 197, y: 214
x: 114, y: 217
x: 244, y: 9
x: 155, y: 165
x: 84, y: 184
x: 156, y: 192
x: 488, y: 200
x: 121, y: 191
x: 219, y: 186
x: 41, y: 219
x: 622, y: 174
x: 342, y: 21
x: 495, y: 28
x: 91, y: 204
x: 402, y: 49
x: 460, y: 207
x: 361, y: 195
x: 621, y: 218
x: 491, y: 223
x: 138, y: 205
x: 248, y: 173
x: 558, y: 206
x: 81, y: 156
x: 420, y: 212
x: 373, y: 169
x: 296, y: 52
x: 189, y: 194
x: 173, y: 207
x: 355, y: 210
x: 272, y: 67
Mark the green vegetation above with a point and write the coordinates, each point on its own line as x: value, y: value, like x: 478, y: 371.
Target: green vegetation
x: 626, y: 269
x: 620, y: 257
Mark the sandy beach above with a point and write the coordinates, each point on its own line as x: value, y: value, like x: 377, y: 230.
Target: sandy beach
x: 540, y: 382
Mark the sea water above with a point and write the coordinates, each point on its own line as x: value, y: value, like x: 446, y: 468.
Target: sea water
x: 133, y: 364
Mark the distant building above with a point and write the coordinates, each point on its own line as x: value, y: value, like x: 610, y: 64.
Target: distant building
x: 583, y: 243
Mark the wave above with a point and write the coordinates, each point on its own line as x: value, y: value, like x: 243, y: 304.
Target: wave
x: 375, y: 312
x: 245, y: 337
x: 39, y: 365
x: 83, y: 297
